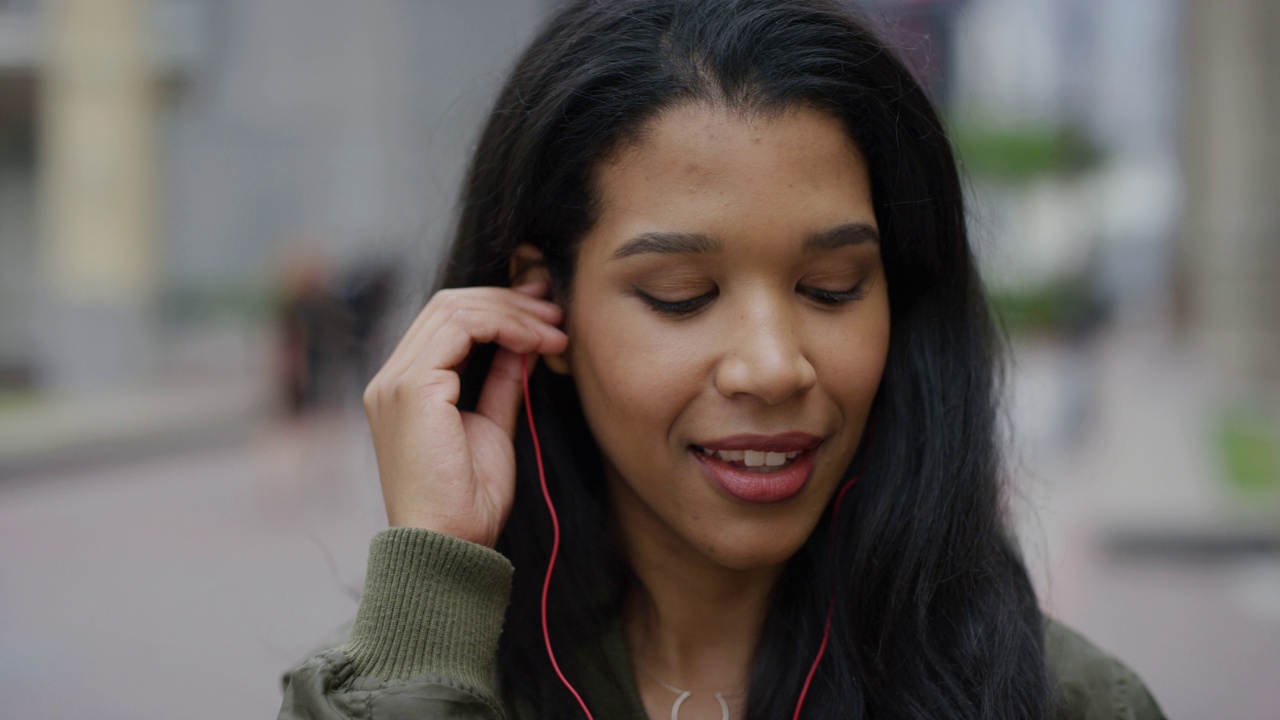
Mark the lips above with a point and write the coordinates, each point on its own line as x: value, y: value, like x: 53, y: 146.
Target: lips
x: 759, y: 468
x: 782, y: 442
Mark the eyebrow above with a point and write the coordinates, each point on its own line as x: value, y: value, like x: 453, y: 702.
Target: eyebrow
x: 841, y: 236
x: 668, y: 243
x: 681, y: 243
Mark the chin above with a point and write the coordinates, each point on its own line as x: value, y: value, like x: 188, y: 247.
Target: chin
x: 760, y: 553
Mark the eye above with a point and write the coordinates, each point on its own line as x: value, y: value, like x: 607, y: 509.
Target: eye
x: 835, y: 297
x: 677, y: 307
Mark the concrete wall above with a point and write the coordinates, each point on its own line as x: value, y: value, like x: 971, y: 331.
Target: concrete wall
x: 184, y: 144
x: 338, y: 124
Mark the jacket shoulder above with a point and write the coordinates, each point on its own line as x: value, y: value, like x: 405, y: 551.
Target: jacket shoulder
x: 1092, y: 684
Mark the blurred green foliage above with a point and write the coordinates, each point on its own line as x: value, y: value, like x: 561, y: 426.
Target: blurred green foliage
x: 14, y: 400
x: 1052, y: 308
x: 243, y: 303
x: 1019, y: 153
x: 1249, y: 447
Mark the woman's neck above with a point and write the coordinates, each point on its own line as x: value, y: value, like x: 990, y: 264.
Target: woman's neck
x: 691, y: 624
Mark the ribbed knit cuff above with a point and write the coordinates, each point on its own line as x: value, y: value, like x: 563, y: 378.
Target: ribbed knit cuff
x: 431, y: 604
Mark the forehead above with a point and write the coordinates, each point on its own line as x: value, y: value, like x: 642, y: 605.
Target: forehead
x: 703, y: 168
x: 690, y: 139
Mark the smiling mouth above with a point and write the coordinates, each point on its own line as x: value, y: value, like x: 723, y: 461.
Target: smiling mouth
x: 759, y: 469
x: 759, y: 461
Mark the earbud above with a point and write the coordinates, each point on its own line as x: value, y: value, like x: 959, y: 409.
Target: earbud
x: 527, y: 266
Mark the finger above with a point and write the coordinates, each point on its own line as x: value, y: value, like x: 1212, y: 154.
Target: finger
x: 537, y: 288
x: 531, y: 297
x: 446, y: 302
x: 519, y: 333
x: 425, y: 337
x: 445, y: 306
x: 527, y: 297
x: 503, y: 388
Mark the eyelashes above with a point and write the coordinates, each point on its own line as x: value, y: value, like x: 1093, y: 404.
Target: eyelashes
x: 836, y: 297
x: 676, y: 308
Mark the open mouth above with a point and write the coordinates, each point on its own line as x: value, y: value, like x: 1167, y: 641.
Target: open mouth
x: 759, y: 461
x: 757, y: 476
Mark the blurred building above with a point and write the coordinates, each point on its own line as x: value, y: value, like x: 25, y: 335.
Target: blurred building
x: 18, y: 62
x: 156, y: 156
x: 1229, y: 269
x: 1093, y: 87
x: 1178, y: 214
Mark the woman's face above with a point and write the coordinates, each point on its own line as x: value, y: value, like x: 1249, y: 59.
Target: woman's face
x: 728, y: 328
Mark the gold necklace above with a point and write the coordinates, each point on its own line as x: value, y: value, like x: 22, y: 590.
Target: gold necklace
x: 682, y: 695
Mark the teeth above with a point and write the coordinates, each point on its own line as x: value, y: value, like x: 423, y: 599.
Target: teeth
x: 754, y: 458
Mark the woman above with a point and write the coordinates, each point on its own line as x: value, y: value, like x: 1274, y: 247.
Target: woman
x: 730, y: 236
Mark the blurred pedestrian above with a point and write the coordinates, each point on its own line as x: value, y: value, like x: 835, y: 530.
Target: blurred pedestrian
x: 316, y: 332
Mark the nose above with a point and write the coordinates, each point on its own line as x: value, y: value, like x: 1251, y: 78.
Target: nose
x: 765, y: 358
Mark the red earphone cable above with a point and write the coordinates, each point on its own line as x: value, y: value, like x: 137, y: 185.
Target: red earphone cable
x: 555, y: 542
x: 826, y: 628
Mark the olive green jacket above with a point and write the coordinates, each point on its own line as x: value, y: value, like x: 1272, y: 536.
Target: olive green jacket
x: 426, y: 633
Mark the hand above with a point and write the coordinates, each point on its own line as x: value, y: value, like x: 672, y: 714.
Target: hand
x: 442, y: 469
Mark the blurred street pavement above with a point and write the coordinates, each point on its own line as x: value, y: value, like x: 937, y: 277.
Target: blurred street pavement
x: 1132, y: 534
x: 207, y: 386
x: 182, y: 578
x: 181, y: 584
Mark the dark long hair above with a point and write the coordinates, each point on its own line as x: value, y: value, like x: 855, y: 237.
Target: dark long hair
x: 936, y: 617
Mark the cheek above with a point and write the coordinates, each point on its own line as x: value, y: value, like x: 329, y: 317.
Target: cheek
x: 850, y: 363
x: 634, y: 382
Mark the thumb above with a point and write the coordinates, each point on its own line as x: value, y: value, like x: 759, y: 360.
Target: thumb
x: 503, y: 388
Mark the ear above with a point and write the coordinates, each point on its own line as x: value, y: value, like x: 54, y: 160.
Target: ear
x: 527, y: 265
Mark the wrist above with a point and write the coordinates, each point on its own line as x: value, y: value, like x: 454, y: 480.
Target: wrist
x: 447, y: 525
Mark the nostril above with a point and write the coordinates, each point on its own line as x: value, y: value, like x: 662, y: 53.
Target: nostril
x: 772, y: 380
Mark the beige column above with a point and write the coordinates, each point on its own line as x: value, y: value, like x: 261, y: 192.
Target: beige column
x: 1230, y: 261
x: 99, y: 256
